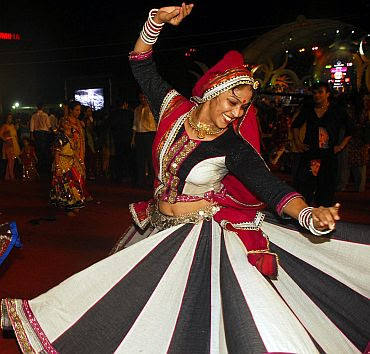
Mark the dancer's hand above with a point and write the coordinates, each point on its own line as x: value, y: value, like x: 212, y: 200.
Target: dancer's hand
x: 325, y: 218
x: 173, y: 14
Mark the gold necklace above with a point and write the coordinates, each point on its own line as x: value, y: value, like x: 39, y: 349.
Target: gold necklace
x: 203, y: 129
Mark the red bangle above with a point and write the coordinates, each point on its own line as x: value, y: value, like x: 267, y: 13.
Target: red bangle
x: 140, y: 55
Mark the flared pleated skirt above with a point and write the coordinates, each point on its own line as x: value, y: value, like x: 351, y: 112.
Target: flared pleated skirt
x: 190, y: 289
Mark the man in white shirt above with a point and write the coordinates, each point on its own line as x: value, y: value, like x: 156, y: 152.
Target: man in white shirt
x: 40, y: 130
x: 144, y: 129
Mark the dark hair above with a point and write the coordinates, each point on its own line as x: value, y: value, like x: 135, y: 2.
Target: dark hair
x: 241, y: 86
x: 40, y: 105
x: 320, y: 84
x: 73, y: 104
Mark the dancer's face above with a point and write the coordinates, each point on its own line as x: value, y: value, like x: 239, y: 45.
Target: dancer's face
x: 230, y: 105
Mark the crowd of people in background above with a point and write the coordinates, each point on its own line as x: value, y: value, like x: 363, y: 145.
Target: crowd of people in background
x: 115, y: 146
x: 74, y: 144
x: 107, y: 142
x: 349, y: 145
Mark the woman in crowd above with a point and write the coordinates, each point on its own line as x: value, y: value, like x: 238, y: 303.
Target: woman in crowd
x: 208, y: 279
x: 90, y: 142
x: 78, y: 137
x: 11, y: 149
x: 66, y: 186
x: 29, y: 160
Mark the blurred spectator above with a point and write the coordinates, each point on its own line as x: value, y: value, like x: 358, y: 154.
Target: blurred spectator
x: 321, y: 143
x: 267, y: 118
x: 54, y: 121
x: 24, y: 127
x: 358, y: 147
x: 40, y: 128
x: 29, y: 160
x: 121, y: 121
x: 144, y: 129
x: 11, y: 150
x: 65, y: 109
x: 108, y: 152
x: 90, y: 144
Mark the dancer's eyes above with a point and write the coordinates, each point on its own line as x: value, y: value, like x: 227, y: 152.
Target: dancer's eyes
x: 233, y: 102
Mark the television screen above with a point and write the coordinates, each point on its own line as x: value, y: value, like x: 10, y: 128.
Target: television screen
x: 92, y: 97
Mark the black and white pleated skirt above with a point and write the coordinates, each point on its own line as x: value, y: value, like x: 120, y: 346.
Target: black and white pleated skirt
x: 190, y: 289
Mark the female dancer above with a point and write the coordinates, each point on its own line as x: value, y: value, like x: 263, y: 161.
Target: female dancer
x: 205, y: 281
x: 78, y: 129
x: 66, y: 185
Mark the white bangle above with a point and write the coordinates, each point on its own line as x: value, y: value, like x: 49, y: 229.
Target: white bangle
x: 316, y: 232
x: 304, y: 217
x: 152, y: 13
x: 151, y: 29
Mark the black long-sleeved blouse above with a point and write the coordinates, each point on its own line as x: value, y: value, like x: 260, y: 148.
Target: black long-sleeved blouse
x: 191, y: 168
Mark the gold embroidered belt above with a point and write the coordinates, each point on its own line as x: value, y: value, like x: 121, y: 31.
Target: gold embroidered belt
x: 161, y: 221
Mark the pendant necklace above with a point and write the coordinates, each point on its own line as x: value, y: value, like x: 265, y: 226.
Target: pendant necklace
x: 203, y: 129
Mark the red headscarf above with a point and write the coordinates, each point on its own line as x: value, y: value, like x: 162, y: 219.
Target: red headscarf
x: 226, y: 74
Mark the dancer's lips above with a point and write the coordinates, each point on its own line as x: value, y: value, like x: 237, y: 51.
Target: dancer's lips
x: 227, y: 119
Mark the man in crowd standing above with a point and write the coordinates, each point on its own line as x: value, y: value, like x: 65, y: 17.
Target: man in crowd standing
x: 40, y: 131
x: 53, y: 120
x: 317, y: 171
x: 121, y: 120
x: 144, y: 129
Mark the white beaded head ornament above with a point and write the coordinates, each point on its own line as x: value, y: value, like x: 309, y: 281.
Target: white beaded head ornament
x: 225, y: 75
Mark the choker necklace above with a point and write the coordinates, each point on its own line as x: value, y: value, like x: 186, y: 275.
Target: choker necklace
x: 203, y: 129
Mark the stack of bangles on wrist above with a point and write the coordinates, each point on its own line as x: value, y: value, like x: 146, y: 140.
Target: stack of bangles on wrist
x: 305, y: 219
x: 150, y: 32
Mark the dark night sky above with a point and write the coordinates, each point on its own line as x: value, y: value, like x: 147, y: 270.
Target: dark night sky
x: 83, y: 40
